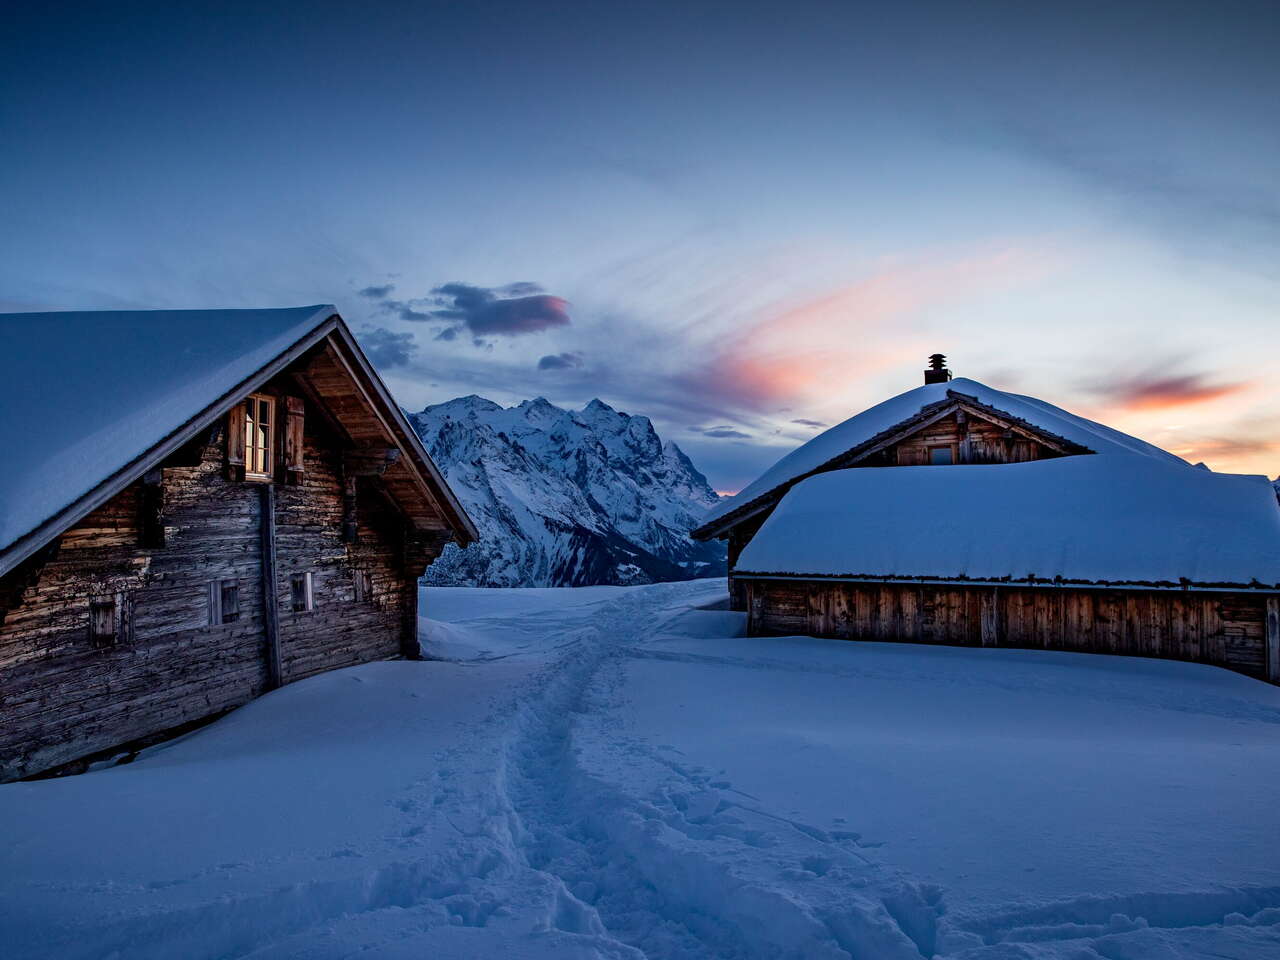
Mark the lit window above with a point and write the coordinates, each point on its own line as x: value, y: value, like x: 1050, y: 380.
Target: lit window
x: 939, y: 456
x: 259, y: 424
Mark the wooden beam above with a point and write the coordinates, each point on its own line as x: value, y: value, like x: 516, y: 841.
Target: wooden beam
x: 270, y: 603
x: 991, y: 617
x: 151, y: 532
x: 369, y: 461
x: 1273, y: 639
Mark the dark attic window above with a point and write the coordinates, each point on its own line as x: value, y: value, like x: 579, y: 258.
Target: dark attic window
x: 224, y: 601
x: 940, y: 456
x: 300, y: 590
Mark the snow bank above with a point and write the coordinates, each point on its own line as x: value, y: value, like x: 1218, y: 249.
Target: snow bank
x: 621, y: 775
x: 105, y: 387
x: 1087, y: 518
x: 862, y: 427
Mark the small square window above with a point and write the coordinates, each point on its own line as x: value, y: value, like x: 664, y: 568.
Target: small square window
x: 300, y: 588
x: 111, y: 619
x: 224, y: 601
x: 939, y: 456
x: 102, y: 621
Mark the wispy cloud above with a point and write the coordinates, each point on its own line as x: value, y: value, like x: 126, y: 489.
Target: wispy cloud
x: 809, y: 423
x: 722, y: 432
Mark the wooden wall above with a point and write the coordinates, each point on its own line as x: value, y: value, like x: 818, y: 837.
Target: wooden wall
x: 1226, y: 629
x: 63, y: 697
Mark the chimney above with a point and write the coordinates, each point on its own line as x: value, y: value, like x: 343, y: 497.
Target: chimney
x: 937, y: 372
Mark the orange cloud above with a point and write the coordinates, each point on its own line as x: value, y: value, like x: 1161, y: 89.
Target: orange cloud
x: 1146, y: 392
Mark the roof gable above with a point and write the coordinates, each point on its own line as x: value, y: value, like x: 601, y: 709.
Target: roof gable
x: 1104, y: 520
x: 903, y: 414
x: 92, y: 400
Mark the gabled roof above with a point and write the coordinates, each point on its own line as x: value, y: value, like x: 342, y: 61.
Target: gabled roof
x: 830, y: 449
x: 92, y: 400
x: 1104, y: 520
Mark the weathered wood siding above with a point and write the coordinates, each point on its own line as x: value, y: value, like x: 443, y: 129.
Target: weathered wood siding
x: 62, y: 697
x: 1226, y: 629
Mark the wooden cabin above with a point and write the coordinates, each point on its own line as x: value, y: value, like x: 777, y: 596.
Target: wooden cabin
x: 1059, y: 533
x: 200, y: 506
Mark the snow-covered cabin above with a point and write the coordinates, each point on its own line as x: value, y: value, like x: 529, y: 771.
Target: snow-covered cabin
x: 1060, y: 533
x: 196, y: 507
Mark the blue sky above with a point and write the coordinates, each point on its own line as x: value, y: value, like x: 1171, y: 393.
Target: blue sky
x: 734, y: 218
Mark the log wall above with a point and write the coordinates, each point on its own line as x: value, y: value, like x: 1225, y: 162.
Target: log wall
x: 1225, y: 629
x: 64, y: 696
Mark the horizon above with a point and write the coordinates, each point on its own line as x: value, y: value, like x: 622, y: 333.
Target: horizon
x: 744, y: 223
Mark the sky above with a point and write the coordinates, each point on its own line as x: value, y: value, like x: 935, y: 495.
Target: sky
x: 743, y: 220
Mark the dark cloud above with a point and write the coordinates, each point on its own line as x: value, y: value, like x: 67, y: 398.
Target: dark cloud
x: 1154, y: 389
x: 809, y: 423
x: 560, y: 361
x: 722, y: 432
x: 386, y: 349
x: 506, y: 311
x: 509, y: 311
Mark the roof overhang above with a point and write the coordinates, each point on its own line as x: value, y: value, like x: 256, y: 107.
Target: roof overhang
x: 333, y: 327
x: 927, y: 416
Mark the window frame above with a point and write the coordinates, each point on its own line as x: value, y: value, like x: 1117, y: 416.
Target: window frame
x: 307, y: 592
x: 224, y: 601
x: 258, y: 455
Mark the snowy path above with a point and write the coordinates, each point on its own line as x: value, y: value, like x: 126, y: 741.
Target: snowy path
x: 611, y: 772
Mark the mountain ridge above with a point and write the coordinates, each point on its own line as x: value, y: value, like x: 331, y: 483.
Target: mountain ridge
x: 567, y: 497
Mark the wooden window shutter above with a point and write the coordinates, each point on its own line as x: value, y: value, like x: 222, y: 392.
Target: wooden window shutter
x: 294, y: 410
x: 235, y: 442
x: 102, y: 621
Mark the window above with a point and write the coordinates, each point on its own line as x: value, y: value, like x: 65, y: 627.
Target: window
x: 111, y: 619
x: 102, y: 621
x: 224, y: 601
x: 300, y: 588
x: 259, y: 430
x: 364, y: 586
x: 939, y: 456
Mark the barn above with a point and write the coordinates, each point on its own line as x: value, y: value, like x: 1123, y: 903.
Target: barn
x: 1060, y: 533
x: 198, y: 507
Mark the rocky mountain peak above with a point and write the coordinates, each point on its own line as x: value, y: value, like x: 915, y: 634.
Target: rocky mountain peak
x: 567, y: 497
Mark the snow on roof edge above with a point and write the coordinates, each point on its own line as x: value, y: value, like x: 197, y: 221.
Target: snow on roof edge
x: 1090, y: 520
x: 883, y: 416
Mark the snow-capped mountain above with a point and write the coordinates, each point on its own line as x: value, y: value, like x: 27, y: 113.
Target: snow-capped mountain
x: 567, y: 497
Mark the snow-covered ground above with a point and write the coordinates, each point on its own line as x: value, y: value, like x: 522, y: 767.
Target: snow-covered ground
x: 614, y: 772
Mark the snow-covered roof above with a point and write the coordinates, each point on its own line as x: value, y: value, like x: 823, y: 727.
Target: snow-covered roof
x: 875, y: 420
x: 1094, y: 519
x: 85, y: 394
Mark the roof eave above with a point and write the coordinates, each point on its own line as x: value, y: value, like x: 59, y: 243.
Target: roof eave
x: 465, y: 529
x: 57, y: 524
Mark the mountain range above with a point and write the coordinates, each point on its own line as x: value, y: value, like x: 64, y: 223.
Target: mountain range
x: 567, y: 497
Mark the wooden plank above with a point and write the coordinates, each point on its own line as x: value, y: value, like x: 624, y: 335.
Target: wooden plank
x: 1273, y: 639
x: 270, y: 603
x: 991, y: 617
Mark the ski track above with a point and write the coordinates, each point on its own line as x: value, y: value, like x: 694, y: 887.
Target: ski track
x: 696, y: 869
